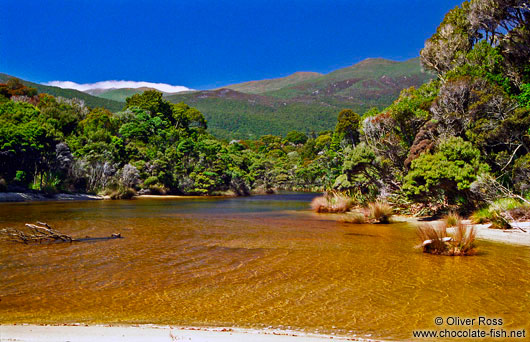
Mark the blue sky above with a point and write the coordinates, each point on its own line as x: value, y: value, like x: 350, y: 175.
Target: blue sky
x: 203, y: 44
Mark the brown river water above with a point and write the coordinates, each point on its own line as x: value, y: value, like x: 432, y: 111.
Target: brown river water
x: 256, y: 262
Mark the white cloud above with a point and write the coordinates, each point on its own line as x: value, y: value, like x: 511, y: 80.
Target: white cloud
x: 167, y: 88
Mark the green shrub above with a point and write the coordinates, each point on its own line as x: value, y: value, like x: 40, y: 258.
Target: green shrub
x: 20, y: 176
x: 150, y: 181
x: 481, y: 216
x: 123, y: 193
x: 157, y: 190
x: 449, y: 172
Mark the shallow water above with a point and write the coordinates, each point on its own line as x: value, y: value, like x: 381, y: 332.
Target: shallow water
x: 249, y: 262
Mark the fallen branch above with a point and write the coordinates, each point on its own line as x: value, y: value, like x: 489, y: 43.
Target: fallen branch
x: 42, y: 232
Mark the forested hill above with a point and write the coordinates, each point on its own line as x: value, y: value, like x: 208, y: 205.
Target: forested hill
x: 91, y: 101
x: 305, y: 101
x: 263, y: 86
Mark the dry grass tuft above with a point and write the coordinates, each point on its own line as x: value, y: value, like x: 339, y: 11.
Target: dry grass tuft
x: 381, y: 211
x: 437, y: 240
x: 355, y: 218
x: 334, y: 202
x: 452, y: 219
x: 464, y: 240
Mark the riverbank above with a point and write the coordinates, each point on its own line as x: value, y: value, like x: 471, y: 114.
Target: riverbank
x: 34, y: 197
x: 514, y: 236
x: 37, y: 197
x: 140, y: 333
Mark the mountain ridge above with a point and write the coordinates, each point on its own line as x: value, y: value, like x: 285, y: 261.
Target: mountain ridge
x: 303, y: 101
x: 90, y: 100
x: 309, y: 105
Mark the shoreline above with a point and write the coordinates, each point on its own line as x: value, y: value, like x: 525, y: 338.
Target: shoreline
x: 17, y: 197
x: 513, y: 236
x: 149, y: 332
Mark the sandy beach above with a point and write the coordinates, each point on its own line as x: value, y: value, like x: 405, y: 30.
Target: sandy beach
x: 513, y: 236
x: 142, y: 333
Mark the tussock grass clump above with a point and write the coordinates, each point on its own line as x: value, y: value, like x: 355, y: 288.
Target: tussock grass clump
x: 452, y: 219
x: 355, y: 218
x: 381, y: 211
x: 334, y: 202
x: 464, y: 240
x: 437, y: 240
x: 433, y: 238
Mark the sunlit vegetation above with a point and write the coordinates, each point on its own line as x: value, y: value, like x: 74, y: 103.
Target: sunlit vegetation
x: 500, y: 212
x: 459, y: 142
x: 452, y: 219
x: 356, y: 217
x: 380, y: 211
x: 151, y: 146
x: 333, y: 202
x: 92, y: 101
x: 305, y: 102
x: 437, y: 239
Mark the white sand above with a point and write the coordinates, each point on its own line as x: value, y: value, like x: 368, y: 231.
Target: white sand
x: 512, y: 236
x: 145, y: 333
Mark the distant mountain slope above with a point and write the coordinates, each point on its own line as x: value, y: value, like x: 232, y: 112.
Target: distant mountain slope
x: 235, y: 115
x: 303, y: 101
x: 260, y: 87
x: 91, y: 101
x: 116, y: 94
x: 309, y: 105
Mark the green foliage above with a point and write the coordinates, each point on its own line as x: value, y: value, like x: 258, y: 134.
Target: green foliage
x: 296, y: 137
x: 27, y: 142
x: 348, y: 125
x: 361, y: 171
x: 428, y: 145
x: 411, y: 111
x: 481, y: 216
x: 448, y: 172
x: 152, y: 102
x: 524, y: 96
x: 89, y: 100
x: 309, y: 105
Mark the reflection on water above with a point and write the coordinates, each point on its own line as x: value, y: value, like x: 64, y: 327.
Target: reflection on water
x: 250, y: 262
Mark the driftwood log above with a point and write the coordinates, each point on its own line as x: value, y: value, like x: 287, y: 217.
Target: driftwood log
x: 42, y: 232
